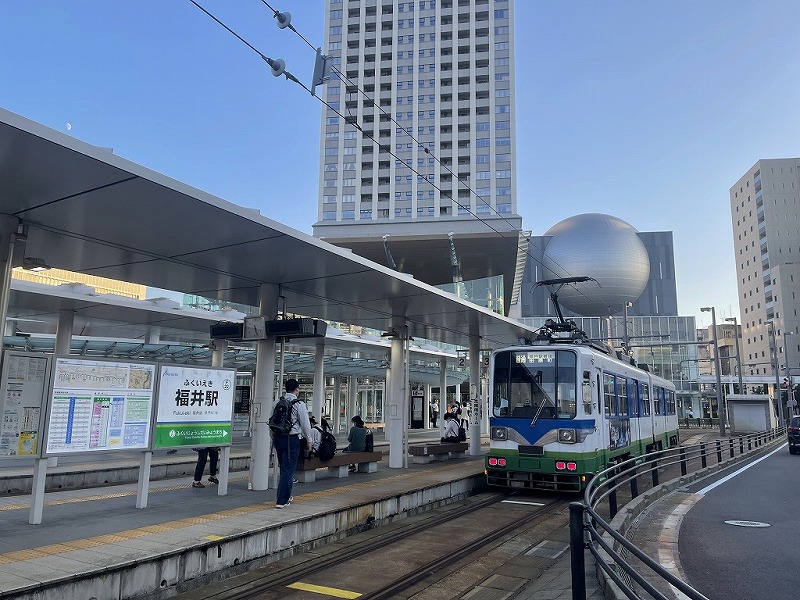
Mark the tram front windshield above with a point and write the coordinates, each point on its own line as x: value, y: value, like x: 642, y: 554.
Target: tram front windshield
x: 531, y: 383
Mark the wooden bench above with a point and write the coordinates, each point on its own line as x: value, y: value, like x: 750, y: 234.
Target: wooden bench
x: 425, y: 453
x: 338, y: 465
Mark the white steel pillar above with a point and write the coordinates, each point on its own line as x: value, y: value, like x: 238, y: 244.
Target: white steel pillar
x: 264, y: 383
x: 66, y: 319
x: 442, y: 394
x: 395, y: 406
x: 336, y: 405
x: 426, y: 402
x: 319, y: 380
x: 352, y: 398
x: 386, y: 392
x: 218, y: 360
x: 476, y: 403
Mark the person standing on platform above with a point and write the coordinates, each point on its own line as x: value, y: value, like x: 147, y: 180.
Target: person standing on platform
x: 288, y: 446
x: 204, y: 454
x: 434, y: 413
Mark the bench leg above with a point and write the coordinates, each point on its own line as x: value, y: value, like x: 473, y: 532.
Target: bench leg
x: 457, y: 454
x: 306, y: 476
x: 340, y: 471
x: 370, y: 467
x: 422, y: 460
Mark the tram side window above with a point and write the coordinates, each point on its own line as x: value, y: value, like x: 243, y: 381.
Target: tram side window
x: 670, y: 402
x: 566, y: 403
x: 633, y: 398
x: 658, y: 399
x: 645, y: 400
x: 609, y: 397
x: 622, y: 387
x: 500, y: 392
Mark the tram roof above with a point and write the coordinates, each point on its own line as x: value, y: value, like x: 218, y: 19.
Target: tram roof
x: 92, y: 212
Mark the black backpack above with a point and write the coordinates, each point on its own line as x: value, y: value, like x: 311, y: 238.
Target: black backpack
x: 369, y: 442
x: 462, y: 434
x: 327, y: 446
x: 281, y: 420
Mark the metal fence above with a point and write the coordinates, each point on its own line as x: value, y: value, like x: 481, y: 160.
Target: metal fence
x: 635, y: 574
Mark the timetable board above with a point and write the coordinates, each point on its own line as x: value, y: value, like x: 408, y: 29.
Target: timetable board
x: 97, y: 405
x: 23, y: 386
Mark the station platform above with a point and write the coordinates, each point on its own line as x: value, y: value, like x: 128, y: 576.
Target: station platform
x: 94, y: 543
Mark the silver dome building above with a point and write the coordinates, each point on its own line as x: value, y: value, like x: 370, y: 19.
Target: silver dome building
x: 604, y: 248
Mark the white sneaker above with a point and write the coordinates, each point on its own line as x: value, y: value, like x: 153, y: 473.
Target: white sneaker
x: 281, y: 505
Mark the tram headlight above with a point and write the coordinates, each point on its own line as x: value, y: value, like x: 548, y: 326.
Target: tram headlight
x: 497, y: 462
x: 567, y: 436
x: 499, y: 433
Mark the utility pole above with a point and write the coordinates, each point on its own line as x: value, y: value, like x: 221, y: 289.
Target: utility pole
x: 720, y: 399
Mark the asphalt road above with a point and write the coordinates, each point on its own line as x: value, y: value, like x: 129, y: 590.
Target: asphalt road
x: 738, y: 562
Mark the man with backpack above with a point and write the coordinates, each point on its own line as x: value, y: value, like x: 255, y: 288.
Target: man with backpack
x: 289, y: 422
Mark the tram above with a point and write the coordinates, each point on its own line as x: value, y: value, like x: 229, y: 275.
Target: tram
x: 565, y: 408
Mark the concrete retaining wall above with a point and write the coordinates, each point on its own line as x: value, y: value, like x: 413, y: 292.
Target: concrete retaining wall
x: 163, y: 576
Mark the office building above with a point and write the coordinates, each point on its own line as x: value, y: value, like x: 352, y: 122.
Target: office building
x: 426, y: 144
x: 765, y: 214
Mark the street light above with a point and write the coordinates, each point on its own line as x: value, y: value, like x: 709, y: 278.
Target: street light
x: 720, y: 405
x: 771, y: 328
x: 789, y: 411
x: 738, y: 353
x: 625, y: 330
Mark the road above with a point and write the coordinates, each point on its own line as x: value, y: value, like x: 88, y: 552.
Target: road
x: 737, y: 562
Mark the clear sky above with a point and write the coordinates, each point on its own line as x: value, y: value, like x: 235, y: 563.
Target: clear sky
x: 648, y: 111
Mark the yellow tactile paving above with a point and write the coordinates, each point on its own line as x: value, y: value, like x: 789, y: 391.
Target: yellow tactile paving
x: 110, y: 496
x: 121, y: 536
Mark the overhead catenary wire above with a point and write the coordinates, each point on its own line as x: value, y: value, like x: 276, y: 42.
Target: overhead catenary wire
x: 369, y: 135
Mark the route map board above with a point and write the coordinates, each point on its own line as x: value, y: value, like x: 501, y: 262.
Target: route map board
x: 195, y: 407
x: 22, y: 396
x: 100, y: 405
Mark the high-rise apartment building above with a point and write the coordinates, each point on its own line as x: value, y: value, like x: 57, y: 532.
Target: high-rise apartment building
x: 765, y: 213
x: 426, y: 145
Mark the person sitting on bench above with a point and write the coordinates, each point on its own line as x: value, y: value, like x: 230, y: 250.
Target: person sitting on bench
x: 450, y: 429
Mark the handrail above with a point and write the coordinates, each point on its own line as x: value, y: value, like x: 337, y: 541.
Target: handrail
x: 588, y: 529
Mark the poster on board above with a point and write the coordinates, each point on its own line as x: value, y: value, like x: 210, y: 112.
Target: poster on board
x: 23, y: 385
x: 99, y: 405
x: 195, y: 406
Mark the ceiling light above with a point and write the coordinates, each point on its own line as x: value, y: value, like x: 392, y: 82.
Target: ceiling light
x: 34, y: 264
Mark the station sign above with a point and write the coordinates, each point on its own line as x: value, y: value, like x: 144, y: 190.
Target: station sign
x: 195, y: 407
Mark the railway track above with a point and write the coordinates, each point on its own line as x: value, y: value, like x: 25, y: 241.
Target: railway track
x: 391, y: 561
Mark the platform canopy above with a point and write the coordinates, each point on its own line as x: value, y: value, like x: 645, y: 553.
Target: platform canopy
x: 90, y: 211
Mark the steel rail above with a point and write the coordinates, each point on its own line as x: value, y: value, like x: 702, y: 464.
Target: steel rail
x: 254, y: 588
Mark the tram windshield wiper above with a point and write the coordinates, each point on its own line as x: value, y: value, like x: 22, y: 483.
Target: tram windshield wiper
x: 539, y: 392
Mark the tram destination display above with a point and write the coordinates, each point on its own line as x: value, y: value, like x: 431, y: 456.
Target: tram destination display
x: 100, y: 405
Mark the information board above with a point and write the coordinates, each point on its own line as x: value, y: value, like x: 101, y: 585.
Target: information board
x: 99, y: 405
x: 23, y: 386
x: 195, y: 407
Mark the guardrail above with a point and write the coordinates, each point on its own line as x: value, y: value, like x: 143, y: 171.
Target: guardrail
x: 599, y: 533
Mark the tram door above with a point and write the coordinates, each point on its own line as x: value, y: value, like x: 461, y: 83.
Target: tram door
x: 602, y: 427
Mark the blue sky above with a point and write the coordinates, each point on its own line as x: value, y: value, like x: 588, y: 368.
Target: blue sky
x: 648, y: 111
